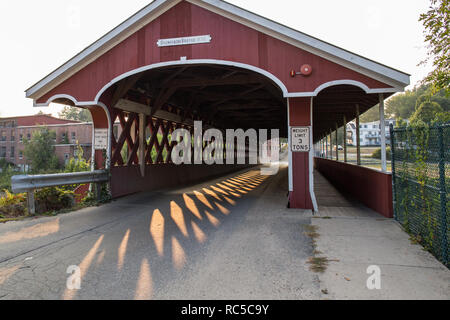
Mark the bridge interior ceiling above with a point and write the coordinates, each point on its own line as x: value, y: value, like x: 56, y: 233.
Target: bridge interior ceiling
x: 334, y: 103
x: 222, y: 97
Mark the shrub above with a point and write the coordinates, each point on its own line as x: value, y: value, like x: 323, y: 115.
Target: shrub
x: 52, y: 199
x: 5, y: 178
x: 377, y: 153
x: 426, y: 112
x: 77, y: 164
x: 441, y: 118
x: 13, y: 204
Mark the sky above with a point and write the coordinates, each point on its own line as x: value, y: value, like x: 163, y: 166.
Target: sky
x: 39, y: 36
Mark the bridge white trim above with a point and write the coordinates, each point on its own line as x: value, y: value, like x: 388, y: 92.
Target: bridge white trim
x: 180, y: 62
x: 263, y: 72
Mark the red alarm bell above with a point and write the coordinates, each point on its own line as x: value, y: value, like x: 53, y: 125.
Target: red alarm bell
x: 306, y: 70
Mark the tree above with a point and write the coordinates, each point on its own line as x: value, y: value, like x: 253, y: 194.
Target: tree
x: 77, y: 164
x: 439, y: 98
x: 77, y: 114
x: 373, y: 114
x: 441, y: 117
x: 426, y: 112
x: 40, y: 152
x: 401, y: 123
x: 437, y: 34
x: 403, y: 105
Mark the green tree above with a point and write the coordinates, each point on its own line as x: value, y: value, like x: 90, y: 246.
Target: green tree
x: 441, y: 117
x: 40, y: 152
x: 426, y: 112
x: 77, y: 114
x: 373, y: 114
x: 439, y: 98
x: 401, y: 123
x: 403, y: 105
x: 77, y: 164
x: 437, y: 34
x: 5, y: 177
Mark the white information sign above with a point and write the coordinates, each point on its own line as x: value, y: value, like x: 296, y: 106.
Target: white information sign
x: 184, y: 41
x: 100, y: 139
x: 300, y: 139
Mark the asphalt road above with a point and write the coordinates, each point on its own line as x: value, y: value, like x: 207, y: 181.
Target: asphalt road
x: 229, y: 238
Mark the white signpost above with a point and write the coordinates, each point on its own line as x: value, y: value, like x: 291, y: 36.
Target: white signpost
x: 100, y: 139
x: 184, y: 41
x: 300, y: 139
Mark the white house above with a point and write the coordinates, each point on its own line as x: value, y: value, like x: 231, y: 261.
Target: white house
x: 369, y: 133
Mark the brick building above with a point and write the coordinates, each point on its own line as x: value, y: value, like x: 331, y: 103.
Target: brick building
x: 15, y: 130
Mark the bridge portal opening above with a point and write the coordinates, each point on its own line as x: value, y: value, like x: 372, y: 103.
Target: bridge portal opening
x: 147, y: 107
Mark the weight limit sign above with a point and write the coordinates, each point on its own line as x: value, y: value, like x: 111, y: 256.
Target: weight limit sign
x: 300, y: 139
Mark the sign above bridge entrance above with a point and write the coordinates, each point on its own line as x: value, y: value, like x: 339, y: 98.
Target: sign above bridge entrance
x: 300, y: 139
x: 184, y: 41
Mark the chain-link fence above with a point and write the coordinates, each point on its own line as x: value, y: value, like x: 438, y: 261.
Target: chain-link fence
x: 421, y: 181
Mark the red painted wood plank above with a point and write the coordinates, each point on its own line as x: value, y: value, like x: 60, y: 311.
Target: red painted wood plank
x: 371, y: 187
x: 231, y: 41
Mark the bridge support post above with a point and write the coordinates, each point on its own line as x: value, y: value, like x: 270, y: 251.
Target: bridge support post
x: 331, y: 144
x: 301, y: 163
x: 383, y: 134
x: 31, y: 203
x: 337, y: 142
x: 358, y: 139
x: 345, y: 139
x: 142, y: 144
x: 98, y: 191
x: 322, y: 144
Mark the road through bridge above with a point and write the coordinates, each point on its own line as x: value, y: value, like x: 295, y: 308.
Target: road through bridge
x: 227, y: 238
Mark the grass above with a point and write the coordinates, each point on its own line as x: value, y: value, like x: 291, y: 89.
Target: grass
x: 378, y: 166
x: 4, y: 220
x: 311, y: 231
x: 76, y: 207
x: 352, y: 149
x: 316, y: 264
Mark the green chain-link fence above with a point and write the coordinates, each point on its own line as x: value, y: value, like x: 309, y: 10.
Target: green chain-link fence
x: 421, y: 181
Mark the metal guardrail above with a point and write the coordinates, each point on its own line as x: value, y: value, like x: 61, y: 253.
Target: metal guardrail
x: 29, y: 183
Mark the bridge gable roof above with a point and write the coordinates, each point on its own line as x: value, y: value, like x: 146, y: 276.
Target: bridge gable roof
x: 394, y: 78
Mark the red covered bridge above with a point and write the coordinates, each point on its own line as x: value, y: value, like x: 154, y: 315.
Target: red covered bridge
x: 177, y: 61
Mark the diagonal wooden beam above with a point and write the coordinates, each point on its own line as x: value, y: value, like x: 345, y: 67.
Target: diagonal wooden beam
x: 124, y: 87
x: 229, y: 74
x: 162, y: 99
x: 172, y: 77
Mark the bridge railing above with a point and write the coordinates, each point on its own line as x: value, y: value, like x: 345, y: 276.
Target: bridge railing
x: 29, y: 183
